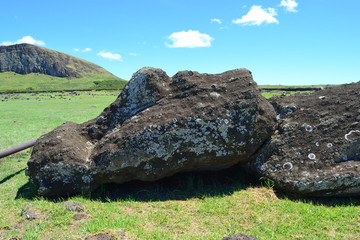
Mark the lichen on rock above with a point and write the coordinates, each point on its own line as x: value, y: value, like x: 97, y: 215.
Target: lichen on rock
x: 158, y: 126
x: 320, y: 139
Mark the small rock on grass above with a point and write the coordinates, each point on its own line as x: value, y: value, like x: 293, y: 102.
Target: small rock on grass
x: 73, y: 206
x: 31, y: 213
x: 107, y: 236
x: 240, y: 236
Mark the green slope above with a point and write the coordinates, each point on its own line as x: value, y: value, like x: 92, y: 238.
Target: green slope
x: 26, y: 67
x: 14, y: 82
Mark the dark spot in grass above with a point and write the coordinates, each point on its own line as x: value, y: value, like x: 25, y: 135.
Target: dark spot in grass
x: 80, y: 216
x: 106, y: 236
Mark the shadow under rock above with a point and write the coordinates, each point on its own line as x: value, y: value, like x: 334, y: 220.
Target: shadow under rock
x: 27, y: 191
x: 181, y: 186
x: 319, y: 201
x: 188, y: 185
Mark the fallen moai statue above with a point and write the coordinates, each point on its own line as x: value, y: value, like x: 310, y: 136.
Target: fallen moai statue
x: 316, y: 148
x: 158, y: 126
x: 307, y: 144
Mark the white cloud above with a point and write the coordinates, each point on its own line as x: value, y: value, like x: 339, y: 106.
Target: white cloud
x: 290, y: 5
x: 84, y: 50
x: 189, y: 39
x: 216, y: 20
x: 133, y: 54
x: 257, y: 15
x: 26, y: 39
x: 110, y: 56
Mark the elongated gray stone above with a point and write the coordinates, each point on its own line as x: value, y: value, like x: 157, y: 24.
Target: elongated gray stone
x: 158, y: 126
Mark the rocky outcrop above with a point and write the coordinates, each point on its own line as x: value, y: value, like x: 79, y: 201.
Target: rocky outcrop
x: 316, y: 149
x: 26, y: 58
x: 157, y: 127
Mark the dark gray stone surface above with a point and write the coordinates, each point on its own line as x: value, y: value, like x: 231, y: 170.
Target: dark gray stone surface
x: 157, y: 127
x: 316, y: 149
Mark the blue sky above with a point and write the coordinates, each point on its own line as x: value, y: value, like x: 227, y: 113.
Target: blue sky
x: 289, y: 42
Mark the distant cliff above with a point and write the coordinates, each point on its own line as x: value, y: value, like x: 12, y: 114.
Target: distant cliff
x: 27, y: 58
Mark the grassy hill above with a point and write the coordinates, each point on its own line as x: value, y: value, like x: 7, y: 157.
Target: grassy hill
x: 25, y: 67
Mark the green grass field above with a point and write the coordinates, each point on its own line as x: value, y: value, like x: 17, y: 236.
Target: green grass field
x: 186, y: 206
x: 269, y: 94
x: 13, y: 82
x: 294, y: 86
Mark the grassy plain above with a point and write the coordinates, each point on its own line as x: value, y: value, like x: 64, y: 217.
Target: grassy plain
x: 13, y: 82
x: 289, y: 87
x: 186, y: 206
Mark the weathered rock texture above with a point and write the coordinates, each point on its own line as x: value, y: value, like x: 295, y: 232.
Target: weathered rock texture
x: 316, y: 150
x: 157, y: 127
x: 27, y: 58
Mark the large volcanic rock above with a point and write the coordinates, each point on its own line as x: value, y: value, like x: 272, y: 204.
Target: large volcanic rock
x: 158, y: 126
x: 316, y: 150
